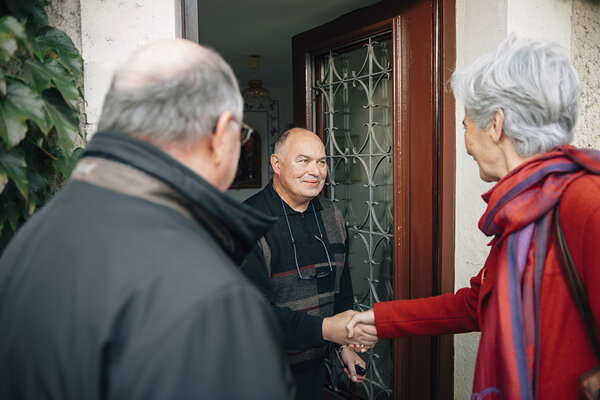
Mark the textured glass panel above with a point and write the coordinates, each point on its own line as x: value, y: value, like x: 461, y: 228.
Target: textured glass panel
x: 359, y: 250
x: 351, y: 105
x: 382, y: 190
x: 355, y: 95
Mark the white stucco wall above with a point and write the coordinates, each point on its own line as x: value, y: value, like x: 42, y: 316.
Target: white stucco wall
x: 480, y: 26
x: 111, y: 31
x: 541, y: 19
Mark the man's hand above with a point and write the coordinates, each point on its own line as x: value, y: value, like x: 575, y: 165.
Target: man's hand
x: 334, y: 328
x: 361, y: 329
x: 351, y: 360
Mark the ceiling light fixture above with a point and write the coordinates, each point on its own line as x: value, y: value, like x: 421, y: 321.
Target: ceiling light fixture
x: 255, y: 89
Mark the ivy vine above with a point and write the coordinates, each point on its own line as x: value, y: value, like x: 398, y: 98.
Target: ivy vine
x: 40, y: 92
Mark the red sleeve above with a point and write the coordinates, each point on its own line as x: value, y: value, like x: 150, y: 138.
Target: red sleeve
x: 431, y: 316
x: 591, y: 260
x: 580, y: 220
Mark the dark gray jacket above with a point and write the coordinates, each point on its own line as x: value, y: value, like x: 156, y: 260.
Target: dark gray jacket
x: 125, y: 287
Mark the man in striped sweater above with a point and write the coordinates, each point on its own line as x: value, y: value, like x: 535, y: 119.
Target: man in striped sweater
x: 301, y: 263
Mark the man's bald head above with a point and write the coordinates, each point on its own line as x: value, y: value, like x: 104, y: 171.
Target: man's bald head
x: 280, y: 148
x: 172, y: 90
x: 159, y: 61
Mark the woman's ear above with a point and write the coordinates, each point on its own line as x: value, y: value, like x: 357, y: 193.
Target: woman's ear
x: 219, y: 140
x: 496, y: 130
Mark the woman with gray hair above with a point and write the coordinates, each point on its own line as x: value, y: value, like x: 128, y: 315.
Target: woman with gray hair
x: 521, y: 105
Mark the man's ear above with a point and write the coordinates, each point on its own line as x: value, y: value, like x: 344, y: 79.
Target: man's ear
x: 496, y: 130
x: 219, y: 140
x: 275, y: 163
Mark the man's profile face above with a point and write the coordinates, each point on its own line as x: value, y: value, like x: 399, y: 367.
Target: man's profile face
x: 304, y: 169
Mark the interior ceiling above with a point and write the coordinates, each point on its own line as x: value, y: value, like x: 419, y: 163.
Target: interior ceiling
x: 240, y: 28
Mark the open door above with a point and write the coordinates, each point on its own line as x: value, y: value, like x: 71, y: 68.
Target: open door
x: 372, y: 84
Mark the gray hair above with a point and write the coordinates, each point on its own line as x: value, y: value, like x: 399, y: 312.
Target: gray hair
x: 279, y: 147
x: 534, y: 84
x: 182, y: 107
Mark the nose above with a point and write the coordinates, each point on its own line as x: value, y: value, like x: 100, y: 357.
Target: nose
x: 313, y: 169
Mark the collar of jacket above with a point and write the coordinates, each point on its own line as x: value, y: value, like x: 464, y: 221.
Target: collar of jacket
x: 236, y: 227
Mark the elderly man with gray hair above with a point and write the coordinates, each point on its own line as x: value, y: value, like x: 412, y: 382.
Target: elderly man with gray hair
x: 521, y: 105
x: 125, y: 285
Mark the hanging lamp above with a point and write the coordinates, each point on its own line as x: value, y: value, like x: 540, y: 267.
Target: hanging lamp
x: 255, y: 89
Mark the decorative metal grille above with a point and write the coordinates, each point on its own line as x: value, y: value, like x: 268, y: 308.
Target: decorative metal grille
x: 354, y: 96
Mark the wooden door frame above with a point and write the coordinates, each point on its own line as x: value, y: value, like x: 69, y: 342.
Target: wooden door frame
x: 424, y: 164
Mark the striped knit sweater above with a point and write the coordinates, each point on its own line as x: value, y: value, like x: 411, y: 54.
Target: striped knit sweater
x: 301, y: 305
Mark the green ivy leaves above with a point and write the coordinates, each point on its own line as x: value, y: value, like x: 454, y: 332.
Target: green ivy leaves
x: 10, y: 31
x: 13, y: 166
x: 39, y: 96
x: 42, y: 76
x: 21, y: 104
x: 63, y: 119
x: 52, y: 40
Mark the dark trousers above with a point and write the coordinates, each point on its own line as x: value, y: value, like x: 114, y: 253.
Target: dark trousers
x: 310, y: 382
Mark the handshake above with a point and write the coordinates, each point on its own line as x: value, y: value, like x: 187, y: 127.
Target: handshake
x: 354, y: 329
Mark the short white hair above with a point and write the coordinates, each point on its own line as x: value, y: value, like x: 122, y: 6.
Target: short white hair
x: 536, y: 86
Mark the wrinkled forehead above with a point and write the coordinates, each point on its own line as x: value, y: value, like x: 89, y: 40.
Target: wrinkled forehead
x: 305, y: 144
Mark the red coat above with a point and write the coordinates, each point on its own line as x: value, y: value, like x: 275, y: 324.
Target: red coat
x: 565, y: 349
